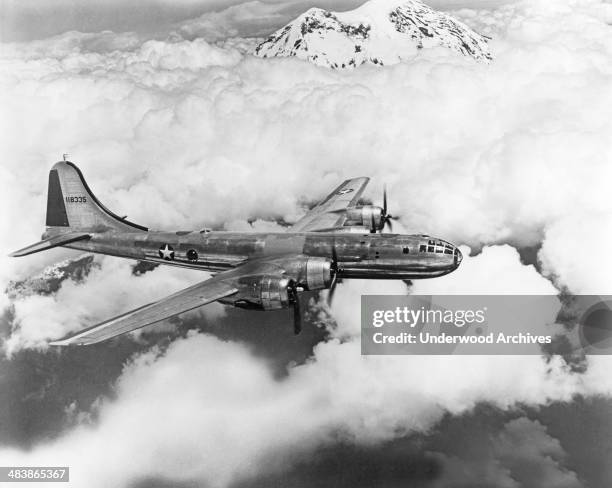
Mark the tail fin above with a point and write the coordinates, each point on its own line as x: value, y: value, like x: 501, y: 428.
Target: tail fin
x: 72, y: 207
x: 73, y: 211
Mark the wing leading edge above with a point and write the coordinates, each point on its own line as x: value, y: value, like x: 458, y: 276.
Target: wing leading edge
x: 193, y: 297
x: 330, y: 212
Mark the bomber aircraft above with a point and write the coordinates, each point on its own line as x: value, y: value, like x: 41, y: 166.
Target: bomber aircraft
x: 335, y: 240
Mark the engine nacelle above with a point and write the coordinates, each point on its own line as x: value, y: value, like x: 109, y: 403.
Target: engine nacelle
x: 263, y: 292
x: 368, y: 216
x: 318, y: 273
x: 273, y: 292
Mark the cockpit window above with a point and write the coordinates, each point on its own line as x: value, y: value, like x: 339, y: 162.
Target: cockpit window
x: 436, y: 247
x: 406, y: 250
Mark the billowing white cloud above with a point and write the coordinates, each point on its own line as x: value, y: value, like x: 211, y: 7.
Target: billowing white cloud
x: 108, y: 290
x: 217, y: 412
x: 574, y: 255
x: 521, y: 454
x: 496, y: 270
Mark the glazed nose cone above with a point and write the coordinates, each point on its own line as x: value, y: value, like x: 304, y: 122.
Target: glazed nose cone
x: 458, y: 257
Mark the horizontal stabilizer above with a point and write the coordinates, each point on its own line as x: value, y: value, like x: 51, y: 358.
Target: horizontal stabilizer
x: 59, y: 240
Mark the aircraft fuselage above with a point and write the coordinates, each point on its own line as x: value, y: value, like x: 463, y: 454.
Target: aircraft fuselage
x: 374, y: 256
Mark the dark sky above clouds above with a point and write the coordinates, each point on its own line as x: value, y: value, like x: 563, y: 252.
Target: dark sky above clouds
x: 172, y: 131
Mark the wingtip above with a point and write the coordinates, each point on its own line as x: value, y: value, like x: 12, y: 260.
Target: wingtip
x: 26, y: 250
x: 21, y: 252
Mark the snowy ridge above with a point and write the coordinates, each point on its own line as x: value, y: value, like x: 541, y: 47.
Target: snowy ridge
x: 50, y: 279
x: 378, y: 32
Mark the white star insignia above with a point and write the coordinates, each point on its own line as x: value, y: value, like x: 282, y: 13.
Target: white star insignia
x: 166, y: 252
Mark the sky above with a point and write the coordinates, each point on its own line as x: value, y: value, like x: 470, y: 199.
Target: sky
x: 177, y: 125
x: 36, y: 19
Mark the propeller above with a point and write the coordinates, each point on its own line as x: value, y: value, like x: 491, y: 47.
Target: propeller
x: 293, y: 290
x: 297, y: 316
x: 373, y: 225
x: 294, y: 297
x: 334, y: 270
x: 386, y: 218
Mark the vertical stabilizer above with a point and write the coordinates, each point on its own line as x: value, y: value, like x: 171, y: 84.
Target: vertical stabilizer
x: 71, y: 205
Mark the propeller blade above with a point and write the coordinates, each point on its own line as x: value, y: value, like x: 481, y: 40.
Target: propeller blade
x: 334, y: 270
x: 294, y: 298
x: 385, y: 199
x: 372, y: 224
x: 332, y: 289
x: 297, y: 316
x: 334, y: 255
x: 386, y: 218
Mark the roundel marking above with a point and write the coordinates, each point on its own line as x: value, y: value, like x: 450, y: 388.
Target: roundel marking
x: 166, y: 252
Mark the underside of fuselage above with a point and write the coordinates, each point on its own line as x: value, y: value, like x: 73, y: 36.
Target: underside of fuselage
x: 391, y: 271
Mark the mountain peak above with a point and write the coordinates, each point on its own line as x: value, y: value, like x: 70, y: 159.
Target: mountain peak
x: 379, y: 32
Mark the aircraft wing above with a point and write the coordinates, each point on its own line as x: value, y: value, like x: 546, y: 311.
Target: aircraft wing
x: 330, y: 212
x: 182, y: 301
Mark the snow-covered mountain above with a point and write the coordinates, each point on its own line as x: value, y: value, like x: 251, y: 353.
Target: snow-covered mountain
x: 379, y: 31
x: 50, y: 279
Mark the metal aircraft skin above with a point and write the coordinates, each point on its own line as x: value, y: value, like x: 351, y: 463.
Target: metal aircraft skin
x: 335, y: 240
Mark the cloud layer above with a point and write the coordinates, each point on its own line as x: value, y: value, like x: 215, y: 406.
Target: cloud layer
x: 215, y: 411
